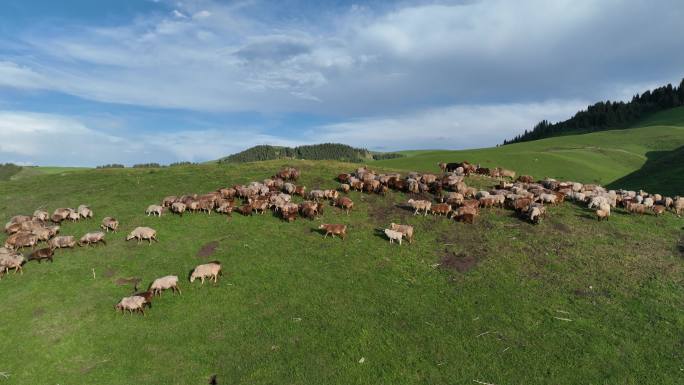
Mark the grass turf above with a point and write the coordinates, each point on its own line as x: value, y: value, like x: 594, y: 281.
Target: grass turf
x: 295, y: 308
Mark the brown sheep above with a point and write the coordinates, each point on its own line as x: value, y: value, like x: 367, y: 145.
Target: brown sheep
x: 19, y: 240
x: 602, y: 214
x: 109, y: 223
x: 636, y: 208
x: 168, y: 201
x: 245, y: 210
x: 658, y: 209
x: 41, y: 254
x: 345, y: 203
x: 334, y: 229
x: 440, y: 209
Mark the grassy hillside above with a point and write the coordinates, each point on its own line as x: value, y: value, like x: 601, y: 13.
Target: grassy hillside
x: 601, y: 157
x: 570, y: 301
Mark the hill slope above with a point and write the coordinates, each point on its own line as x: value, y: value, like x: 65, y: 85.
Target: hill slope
x: 601, y: 157
x: 570, y: 301
x: 324, y: 151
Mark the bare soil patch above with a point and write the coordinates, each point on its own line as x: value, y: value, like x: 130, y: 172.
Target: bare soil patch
x: 128, y: 281
x: 460, y: 262
x: 207, y: 250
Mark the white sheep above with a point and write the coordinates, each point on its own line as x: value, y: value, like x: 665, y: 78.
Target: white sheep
x: 85, y: 211
x: 419, y: 205
x: 142, y: 233
x: 164, y: 283
x: 394, y: 235
x: 132, y: 303
x: 648, y: 202
x: 154, y: 210
x: 548, y: 198
x: 208, y: 270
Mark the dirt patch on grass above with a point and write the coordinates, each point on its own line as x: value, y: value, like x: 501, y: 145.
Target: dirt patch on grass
x: 37, y: 312
x: 128, y: 281
x: 207, y: 250
x: 560, y: 227
x: 109, y: 273
x: 460, y: 262
x: 383, y: 210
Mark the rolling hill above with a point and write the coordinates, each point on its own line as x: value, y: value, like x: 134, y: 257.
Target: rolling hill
x: 605, y: 157
x: 571, y: 301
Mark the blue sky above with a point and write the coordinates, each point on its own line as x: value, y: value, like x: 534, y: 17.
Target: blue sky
x: 130, y: 81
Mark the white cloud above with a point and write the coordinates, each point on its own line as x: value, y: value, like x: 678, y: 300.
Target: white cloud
x: 361, y: 62
x: 454, y: 127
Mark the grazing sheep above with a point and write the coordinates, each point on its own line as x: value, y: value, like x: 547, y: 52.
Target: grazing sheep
x: 441, y: 209
x: 602, y: 214
x: 168, y: 201
x: 419, y: 205
x: 10, y: 259
x: 92, y: 238
x: 334, y: 229
x: 164, y: 283
x: 678, y: 205
x: 131, y: 304
x: 315, y: 195
x: 19, y: 240
x: 62, y: 241
x: 109, y: 223
x: 407, y: 230
x: 42, y: 233
x: 345, y: 203
x: 245, y: 210
x: 466, y: 214
x: 658, y: 209
x: 331, y: 194
x: 345, y: 187
x: 394, y: 235
x: 84, y: 211
x: 535, y: 213
x: 154, y: 210
x: 648, y: 202
x: 548, y: 198
x: 209, y: 270
x: 41, y: 254
x: 41, y: 215
x: 225, y: 208
x: 178, y: 208
x: 636, y: 208
x: 74, y: 216
x: 143, y: 233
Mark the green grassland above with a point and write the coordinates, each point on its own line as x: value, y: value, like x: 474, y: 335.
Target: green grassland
x: 568, y: 301
x: 601, y: 157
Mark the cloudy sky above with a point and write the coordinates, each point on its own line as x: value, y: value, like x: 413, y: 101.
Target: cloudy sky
x: 88, y: 82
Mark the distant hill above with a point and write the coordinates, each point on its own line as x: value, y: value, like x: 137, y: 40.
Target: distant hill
x: 8, y: 170
x: 325, y: 151
x: 609, y: 115
x: 646, y: 155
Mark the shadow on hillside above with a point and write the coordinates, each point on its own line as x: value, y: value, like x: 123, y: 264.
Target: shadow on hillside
x: 663, y: 173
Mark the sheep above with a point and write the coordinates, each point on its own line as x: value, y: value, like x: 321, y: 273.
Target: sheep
x: 548, y: 198
x: 419, y: 205
x: 344, y: 187
x: 74, y: 216
x: 142, y: 233
x: 678, y: 206
x: 300, y: 190
x: 41, y: 215
x: 407, y: 230
x: 481, y: 194
x: 19, y: 240
x: 345, y: 203
x: 315, y: 195
x: 225, y: 208
x: 334, y: 229
x: 62, y: 241
x: 602, y: 214
x: 636, y: 208
x: 41, y: 254
x: 154, y: 210
x: 466, y: 214
x: 658, y: 209
x: 394, y: 235
x: 109, y: 223
x: 92, y: 238
x: 441, y: 209
x: 164, y: 283
x: 209, y: 270
x: 42, y: 233
x: 84, y: 211
x: 9, y: 259
x: 648, y: 202
x: 178, y: 208
x: 169, y: 200
x: 132, y: 303
x: 442, y: 166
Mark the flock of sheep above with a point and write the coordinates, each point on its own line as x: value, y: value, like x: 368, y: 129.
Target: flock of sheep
x: 451, y: 197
